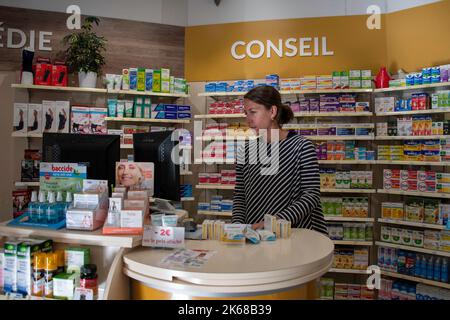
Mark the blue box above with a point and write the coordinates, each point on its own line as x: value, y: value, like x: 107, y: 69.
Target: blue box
x: 184, y: 115
x: 210, y: 87
x: 157, y: 107
x: 159, y: 115
x: 133, y: 78
x: 148, y: 79
x: 170, y: 115
x: 182, y: 108
x: 170, y: 108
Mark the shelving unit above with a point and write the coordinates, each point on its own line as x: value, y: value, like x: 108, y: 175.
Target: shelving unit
x: 214, y: 213
x: 214, y: 187
x: 214, y: 160
x: 412, y: 224
x: 337, y: 138
x: 410, y: 248
x: 414, y: 163
x: 53, y: 88
x: 347, y: 161
x: 413, y: 112
x: 350, y: 219
x: 333, y: 114
x: 20, y: 184
x: 353, y: 243
x: 417, y: 194
x: 434, y: 137
x: 348, y: 190
x: 148, y: 93
x: 116, y: 119
x: 407, y: 88
x: 220, y: 116
x: 416, y: 279
x: 348, y: 271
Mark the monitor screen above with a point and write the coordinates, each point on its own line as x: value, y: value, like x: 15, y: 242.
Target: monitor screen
x: 98, y: 152
x: 157, y: 147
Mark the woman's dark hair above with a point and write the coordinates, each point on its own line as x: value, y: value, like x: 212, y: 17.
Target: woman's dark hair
x: 268, y: 96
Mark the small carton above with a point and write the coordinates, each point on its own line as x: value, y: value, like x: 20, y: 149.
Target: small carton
x: 64, y: 285
x: 62, y: 116
x: 76, y: 257
x: 35, y: 119
x: 49, y: 116
x: 20, y: 123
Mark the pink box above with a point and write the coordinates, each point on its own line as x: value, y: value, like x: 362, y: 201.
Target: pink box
x: 408, y: 175
x: 426, y: 186
x: 391, y: 174
x: 426, y: 175
x: 408, y: 185
x: 215, y: 178
x: 203, y: 178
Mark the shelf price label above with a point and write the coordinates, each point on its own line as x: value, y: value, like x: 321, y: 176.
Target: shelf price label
x: 163, y: 237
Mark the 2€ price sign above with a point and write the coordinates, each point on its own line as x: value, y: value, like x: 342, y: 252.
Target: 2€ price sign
x: 163, y: 237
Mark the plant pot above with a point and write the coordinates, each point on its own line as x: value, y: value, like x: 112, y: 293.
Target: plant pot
x: 87, y: 79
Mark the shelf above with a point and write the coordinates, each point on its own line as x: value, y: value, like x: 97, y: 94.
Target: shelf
x: 347, y: 161
x: 414, y: 163
x: 333, y: 114
x: 220, y: 116
x: 185, y: 199
x: 26, y: 184
x: 186, y: 173
x: 222, y: 94
x: 324, y: 91
x: 146, y: 120
x: 215, y: 186
x: 415, y: 193
x: 350, y: 271
x: 412, y: 224
x: 412, y: 137
x: 214, y: 160
x: 149, y: 93
x: 423, y: 86
x: 413, y: 112
x: 415, y: 249
x: 54, y: 88
x: 24, y: 135
x: 354, y: 219
x: 415, y: 279
x: 353, y: 243
x: 225, y: 138
x: 130, y: 146
x: 338, y: 138
x: 72, y: 236
x: 214, y: 213
x: 348, y: 190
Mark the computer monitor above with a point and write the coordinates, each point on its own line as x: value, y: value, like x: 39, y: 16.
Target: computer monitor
x: 157, y: 147
x: 99, y: 152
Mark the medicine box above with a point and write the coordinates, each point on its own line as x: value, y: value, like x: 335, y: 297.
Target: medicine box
x: 80, y: 119
x: 62, y: 116
x: 35, y: 119
x: 49, y: 116
x: 20, y: 118
x: 64, y: 285
x: 76, y: 257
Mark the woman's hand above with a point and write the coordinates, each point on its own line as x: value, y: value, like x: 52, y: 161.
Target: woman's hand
x: 258, y: 225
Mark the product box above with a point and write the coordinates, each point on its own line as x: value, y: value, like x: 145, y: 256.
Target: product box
x: 80, y: 120
x: 131, y: 218
x: 20, y: 122
x: 49, y: 116
x: 97, y: 120
x: 75, y: 257
x: 64, y: 285
x: 34, y: 119
x: 10, y: 266
x: 133, y: 78
x: 125, y: 79
x: 59, y: 74
x: 148, y: 79
x: 140, y: 85
x: 157, y: 80
x: 62, y: 116
x: 25, y: 254
x: 21, y: 199
x: 42, y: 72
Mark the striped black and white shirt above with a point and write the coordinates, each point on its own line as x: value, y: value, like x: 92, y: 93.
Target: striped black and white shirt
x: 291, y: 192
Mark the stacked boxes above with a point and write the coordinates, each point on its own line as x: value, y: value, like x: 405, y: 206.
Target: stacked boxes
x: 308, y: 83
x: 170, y: 111
x: 417, y: 210
x: 412, y: 180
x: 351, y: 258
x: 342, y: 150
x: 217, y: 204
x: 227, y: 107
x: 345, y: 207
x: 351, y: 231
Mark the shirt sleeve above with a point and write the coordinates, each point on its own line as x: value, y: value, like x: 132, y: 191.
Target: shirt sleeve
x: 308, y: 184
x: 239, y: 204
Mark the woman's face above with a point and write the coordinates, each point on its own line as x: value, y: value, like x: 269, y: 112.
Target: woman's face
x: 258, y: 117
x: 129, y: 174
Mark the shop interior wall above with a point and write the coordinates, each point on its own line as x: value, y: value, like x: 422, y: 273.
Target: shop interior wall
x: 130, y: 43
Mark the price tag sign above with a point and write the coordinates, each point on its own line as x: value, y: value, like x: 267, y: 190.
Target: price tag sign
x: 163, y: 237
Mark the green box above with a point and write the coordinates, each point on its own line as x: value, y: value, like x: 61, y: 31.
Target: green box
x: 141, y: 79
x: 64, y: 285
x: 157, y: 81
x: 165, y: 74
x: 76, y: 257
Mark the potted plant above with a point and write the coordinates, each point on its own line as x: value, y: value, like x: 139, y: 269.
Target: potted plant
x: 85, y: 53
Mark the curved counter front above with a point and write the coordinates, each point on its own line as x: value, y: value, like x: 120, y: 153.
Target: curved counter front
x: 282, y: 269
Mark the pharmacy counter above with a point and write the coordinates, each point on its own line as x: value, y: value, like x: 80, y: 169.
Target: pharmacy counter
x: 283, y: 269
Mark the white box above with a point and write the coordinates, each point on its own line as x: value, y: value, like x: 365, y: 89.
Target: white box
x: 34, y: 119
x: 49, y: 116
x: 62, y: 116
x: 97, y: 120
x: 80, y: 120
x: 131, y: 219
x: 20, y: 118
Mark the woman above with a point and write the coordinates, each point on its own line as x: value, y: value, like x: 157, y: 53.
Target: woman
x: 132, y: 176
x: 292, y: 190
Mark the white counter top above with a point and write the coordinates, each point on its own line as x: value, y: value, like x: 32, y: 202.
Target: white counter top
x: 237, y: 269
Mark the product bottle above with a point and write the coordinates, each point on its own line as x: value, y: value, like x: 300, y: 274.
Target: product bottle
x: 61, y: 205
x: 418, y: 266
x: 423, y: 267
x: 50, y: 272
x: 437, y: 269
x: 67, y: 203
x: 59, y: 261
x: 444, y: 271
x: 38, y: 275
x: 382, y: 78
x: 430, y: 268
x: 52, y: 209
x: 41, y: 211
x: 33, y: 207
x: 88, y: 278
